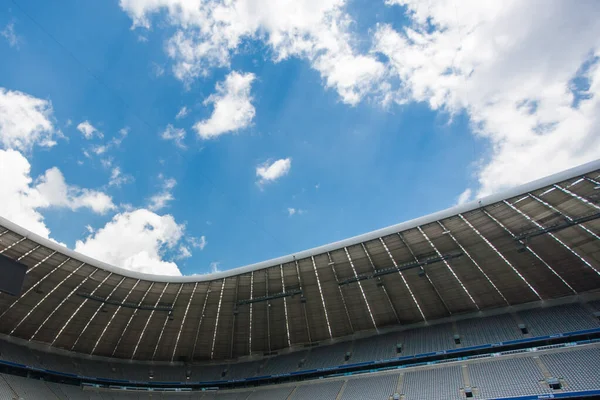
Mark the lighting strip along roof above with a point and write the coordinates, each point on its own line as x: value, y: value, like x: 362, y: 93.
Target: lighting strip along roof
x: 235, y: 313
x: 268, y: 310
x: 500, y: 255
x: 403, y: 279
x: 78, y: 308
x: 55, y: 309
x: 131, y: 319
x: 200, y: 321
x: 114, y: 289
x: 303, y: 302
x: 287, y: 325
x: 382, y: 286
x: 183, y: 320
x: 322, y: 297
x: 169, y: 315
x: 437, y: 292
x: 29, y: 252
x: 553, y: 236
x: 212, y: 348
x: 332, y: 264
x: 113, y: 316
x: 148, y: 321
x: 12, y: 245
x: 530, y: 250
x: 6, y: 231
x: 48, y: 294
x: 578, y: 197
x: 449, y: 267
x: 35, y: 285
x: 556, y: 210
x: 361, y: 288
x: 40, y: 263
x: 595, y: 182
x: 449, y: 233
x: 250, y: 325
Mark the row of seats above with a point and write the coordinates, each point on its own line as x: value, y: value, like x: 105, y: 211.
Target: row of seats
x: 577, y: 370
x: 493, y: 329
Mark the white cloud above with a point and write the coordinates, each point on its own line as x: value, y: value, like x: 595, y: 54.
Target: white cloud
x: 23, y: 198
x: 25, y: 121
x: 158, y: 70
x: 135, y: 240
x: 9, y: 34
x: 165, y: 196
x: 55, y: 191
x: 199, y: 243
x: 510, y: 65
x: 270, y: 172
x: 233, y: 109
x: 465, y: 196
x: 117, y: 178
x: 183, y: 112
x: 183, y: 252
x: 293, y: 211
x: 88, y: 130
x: 175, y: 134
x: 214, y: 267
x: 319, y: 31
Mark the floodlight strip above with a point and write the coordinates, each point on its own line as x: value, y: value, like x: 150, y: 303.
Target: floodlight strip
x: 437, y: 292
x: 187, y: 307
x: 560, y: 226
x: 287, y: 325
x: 382, y: 286
x: 36, y: 284
x: 574, y: 222
x: 40, y: 263
x: 403, y: 279
x: 516, y: 271
x: 448, y: 266
x: 131, y: 319
x: 55, y: 309
x: 208, y: 290
x: 29, y: 252
x: 530, y: 250
x: 332, y: 264
x: 13, y: 244
x: 360, y: 287
x: 212, y: 348
x: 553, y: 236
x: 250, y: 324
x: 322, y: 297
x: 578, y: 197
x: 449, y: 233
x: 89, y: 321
x: 47, y: 294
x: 112, y: 317
x: 78, y: 308
x: 137, y: 345
x: 167, y: 317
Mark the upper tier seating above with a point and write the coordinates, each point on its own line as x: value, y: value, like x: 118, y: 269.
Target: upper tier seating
x: 559, y: 319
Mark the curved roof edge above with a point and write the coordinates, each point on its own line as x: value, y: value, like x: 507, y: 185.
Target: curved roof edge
x: 462, y: 208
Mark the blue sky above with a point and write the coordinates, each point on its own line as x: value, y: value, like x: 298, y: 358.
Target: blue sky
x: 378, y: 112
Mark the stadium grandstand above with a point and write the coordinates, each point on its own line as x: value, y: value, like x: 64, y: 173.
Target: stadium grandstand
x: 497, y: 298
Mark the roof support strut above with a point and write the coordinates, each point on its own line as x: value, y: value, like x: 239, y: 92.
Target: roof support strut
x: 364, y: 296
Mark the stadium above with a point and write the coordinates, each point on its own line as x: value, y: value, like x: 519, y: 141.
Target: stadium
x: 497, y: 298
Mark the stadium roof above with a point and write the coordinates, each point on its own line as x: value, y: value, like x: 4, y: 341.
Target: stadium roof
x: 535, y: 242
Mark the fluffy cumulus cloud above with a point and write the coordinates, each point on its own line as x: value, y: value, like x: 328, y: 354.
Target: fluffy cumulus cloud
x: 177, y: 135
x: 88, y: 130
x: 162, y: 199
x: 25, y: 121
x: 271, y: 171
x: 319, y: 31
x: 233, y: 109
x: 135, y: 240
x: 527, y: 74
x: 23, y: 197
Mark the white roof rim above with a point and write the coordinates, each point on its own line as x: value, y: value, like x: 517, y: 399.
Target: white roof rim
x: 403, y: 226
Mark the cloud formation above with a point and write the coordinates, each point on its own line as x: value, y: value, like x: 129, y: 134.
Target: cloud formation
x: 271, y: 171
x: 88, y: 130
x: 319, y: 31
x: 136, y: 240
x: 177, y: 135
x: 165, y: 196
x: 25, y: 121
x: 513, y: 67
x: 233, y: 109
